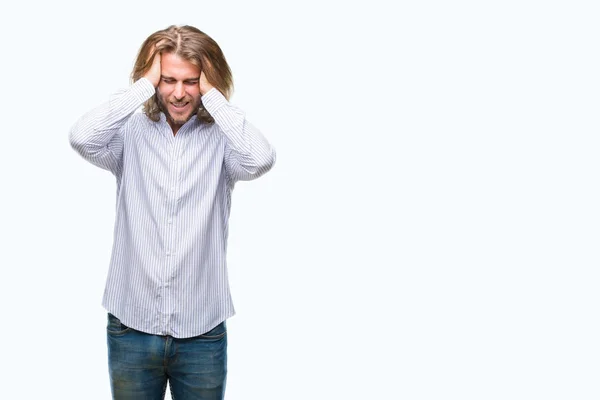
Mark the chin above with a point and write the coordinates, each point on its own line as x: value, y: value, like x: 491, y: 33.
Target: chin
x: 180, y: 120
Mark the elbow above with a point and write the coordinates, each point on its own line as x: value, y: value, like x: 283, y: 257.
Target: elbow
x: 82, y: 141
x: 254, y: 167
x: 76, y: 141
x: 267, y: 162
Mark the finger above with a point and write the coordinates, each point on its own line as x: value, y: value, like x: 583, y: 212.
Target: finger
x: 153, y: 67
x: 206, y: 65
x: 156, y: 61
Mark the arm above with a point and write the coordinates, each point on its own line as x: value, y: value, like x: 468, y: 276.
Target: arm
x: 95, y: 136
x: 248, y: 154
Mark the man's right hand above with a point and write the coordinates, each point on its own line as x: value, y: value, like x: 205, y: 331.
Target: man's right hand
x: 153, y: 74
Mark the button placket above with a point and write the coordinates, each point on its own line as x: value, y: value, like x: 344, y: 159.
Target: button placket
x: 170, y: 237
x: 174, y: 184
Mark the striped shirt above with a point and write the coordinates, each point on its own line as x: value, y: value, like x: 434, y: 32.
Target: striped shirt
x: 168, y: 272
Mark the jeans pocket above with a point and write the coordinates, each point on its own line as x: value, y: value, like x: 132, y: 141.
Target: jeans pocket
x: 115, y: 327
x: 217, y: 332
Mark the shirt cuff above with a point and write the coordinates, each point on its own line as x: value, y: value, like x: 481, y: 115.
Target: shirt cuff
x: 143, y: 89
x: 213, y: 100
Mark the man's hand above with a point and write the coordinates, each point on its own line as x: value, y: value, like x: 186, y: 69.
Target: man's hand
x: 153, y: 74
x: 204, y: 84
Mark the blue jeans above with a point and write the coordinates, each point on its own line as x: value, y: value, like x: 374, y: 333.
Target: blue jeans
x: 141, y: 364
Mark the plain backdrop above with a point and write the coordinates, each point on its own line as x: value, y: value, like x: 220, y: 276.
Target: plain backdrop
x: 430, y: 229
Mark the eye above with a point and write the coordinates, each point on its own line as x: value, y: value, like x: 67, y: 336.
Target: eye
x: 168, y: 80
x: 192, y: 82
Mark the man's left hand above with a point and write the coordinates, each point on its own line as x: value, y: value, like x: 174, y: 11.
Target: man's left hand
x: 204, y: 84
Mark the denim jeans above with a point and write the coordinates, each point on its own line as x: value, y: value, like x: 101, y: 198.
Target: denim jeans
x: 141, y: 364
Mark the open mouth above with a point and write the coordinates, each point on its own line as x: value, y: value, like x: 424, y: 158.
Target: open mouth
x: 179, y: 106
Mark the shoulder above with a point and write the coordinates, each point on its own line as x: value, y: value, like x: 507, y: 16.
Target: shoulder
x: 139, y: 126
x: 139, y: 118
x: 137, y: 121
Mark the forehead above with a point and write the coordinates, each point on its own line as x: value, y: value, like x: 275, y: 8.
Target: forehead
x: 174, y: 66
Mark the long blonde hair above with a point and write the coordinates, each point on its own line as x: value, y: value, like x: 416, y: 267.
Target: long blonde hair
x: 192, y: 45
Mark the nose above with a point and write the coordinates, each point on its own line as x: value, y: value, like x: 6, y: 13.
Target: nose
x: 179, y: 91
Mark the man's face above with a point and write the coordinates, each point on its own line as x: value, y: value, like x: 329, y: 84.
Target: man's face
x: 178, y: 90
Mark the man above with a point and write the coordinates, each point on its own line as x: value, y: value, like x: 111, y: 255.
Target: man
x: 167, y: 291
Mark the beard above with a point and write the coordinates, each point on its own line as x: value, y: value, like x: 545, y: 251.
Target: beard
x: 178, y: 119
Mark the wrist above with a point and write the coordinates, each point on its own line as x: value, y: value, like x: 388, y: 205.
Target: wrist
x: 205, y: 89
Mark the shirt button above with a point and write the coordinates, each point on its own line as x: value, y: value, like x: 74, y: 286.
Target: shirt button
x: 170, y: 220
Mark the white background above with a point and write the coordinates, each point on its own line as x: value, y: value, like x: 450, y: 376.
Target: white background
x: 430, y: 229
